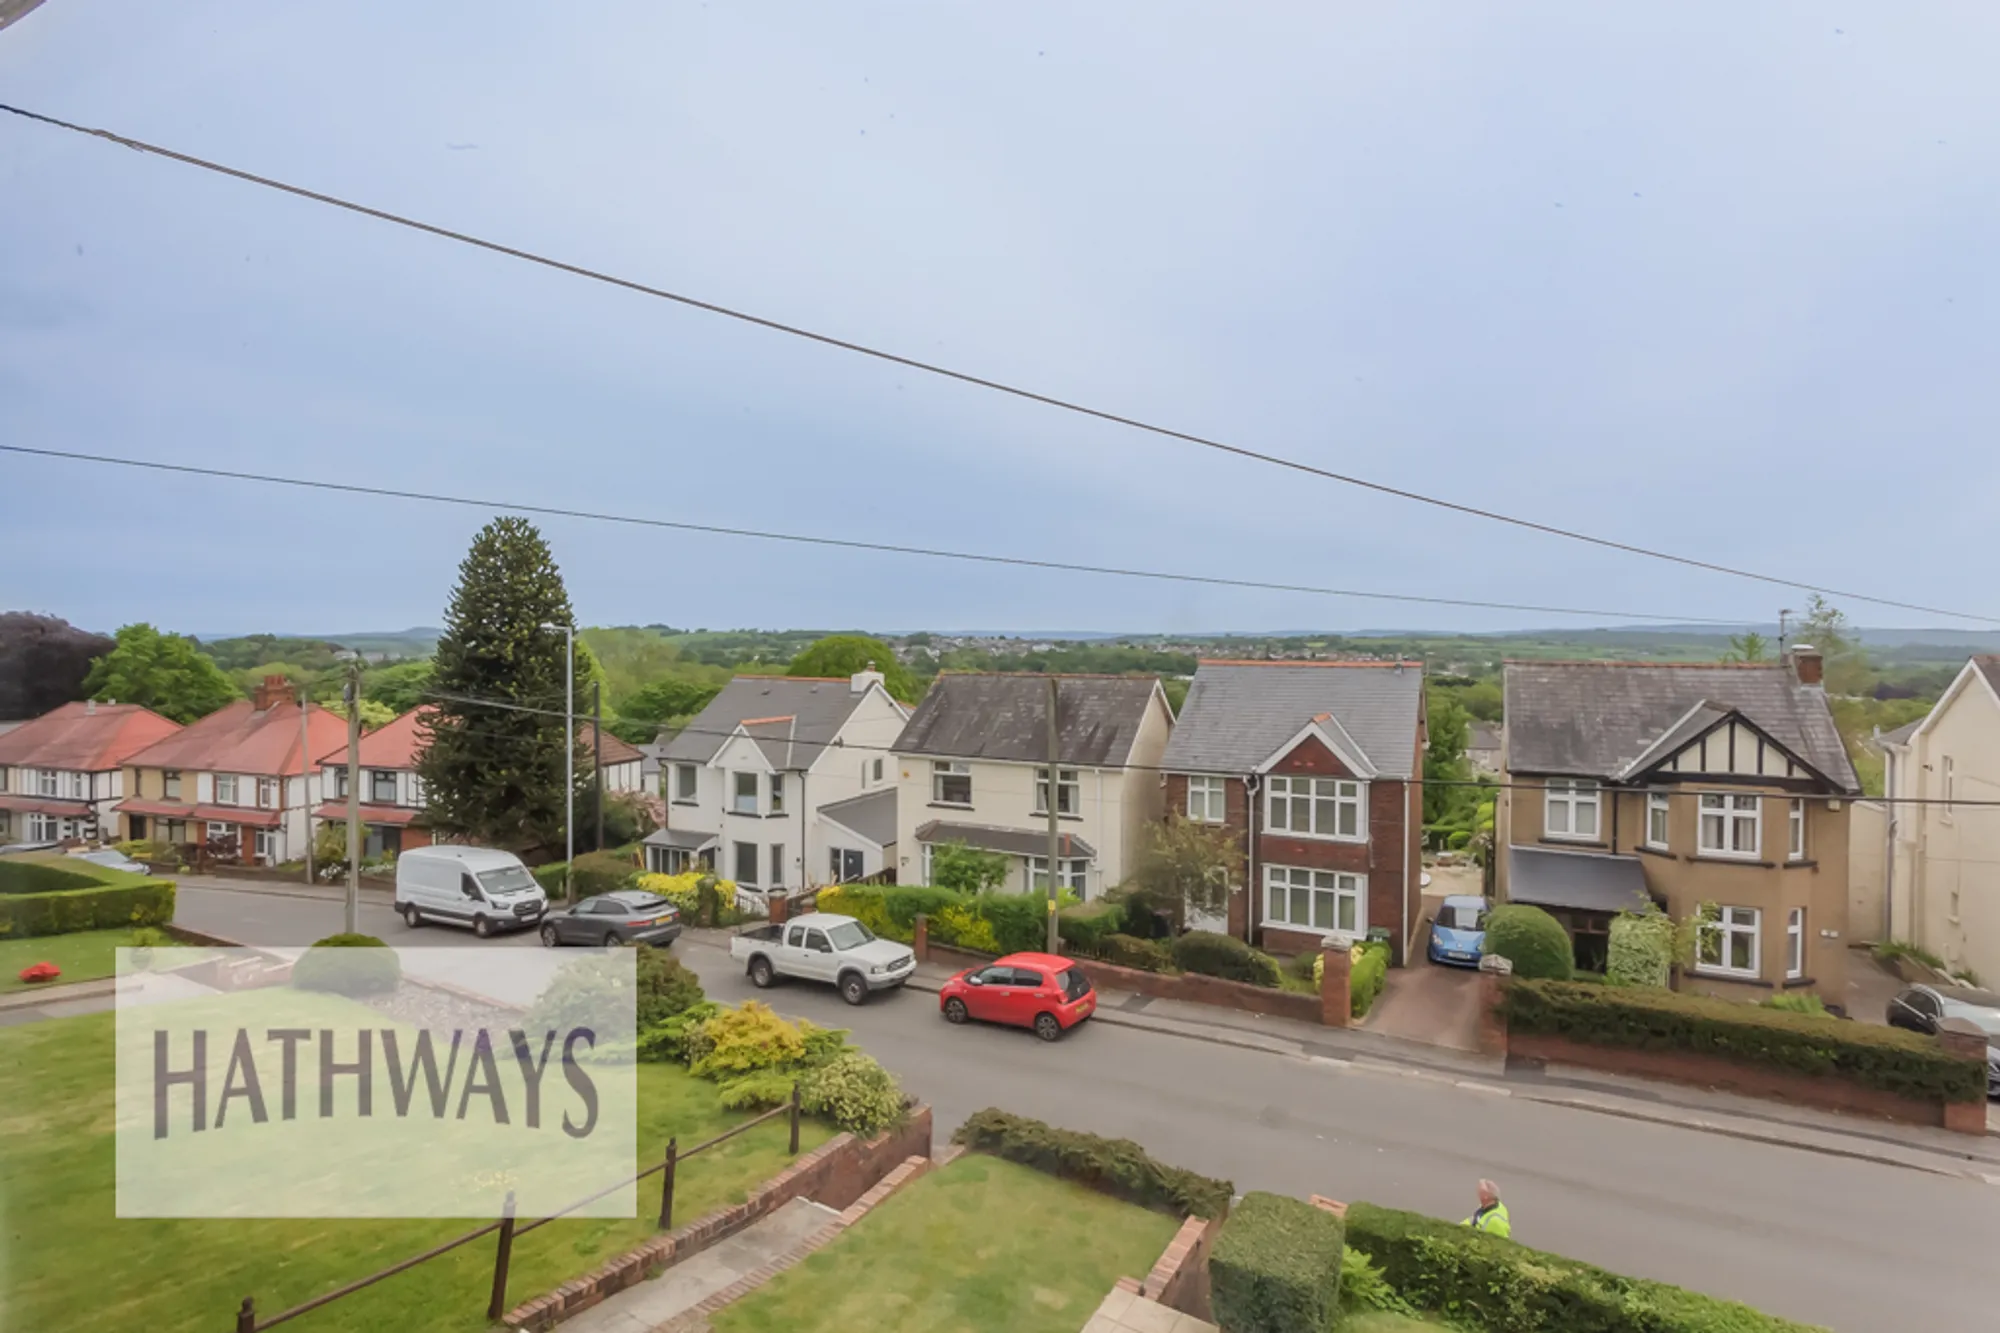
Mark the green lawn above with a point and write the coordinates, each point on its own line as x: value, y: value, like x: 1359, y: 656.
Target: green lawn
x: 66, y: 1261
x: 84, y: 956
x: 982, y: 1246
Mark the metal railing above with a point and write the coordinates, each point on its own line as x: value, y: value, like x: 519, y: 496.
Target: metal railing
x: 510, y: 1229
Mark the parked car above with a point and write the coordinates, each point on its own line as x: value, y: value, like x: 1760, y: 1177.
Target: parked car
x: 22, y: 848
x: 113, y: 859
x: 482, y: 887
x: 1458, y: 935
x: 1030, y: 990
x: 629, y: 916
x: 822, y: 946
x: 1923, y: 1008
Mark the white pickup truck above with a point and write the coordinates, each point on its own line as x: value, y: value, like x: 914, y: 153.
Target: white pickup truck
x: 823, y: 947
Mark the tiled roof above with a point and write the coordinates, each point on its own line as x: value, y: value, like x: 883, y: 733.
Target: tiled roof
x: 1237, y: 714
x: 239, y: 739
x: 792, y: 718
x: 871, y: 814
x: 1989, y: 667
x: 397, y: 815
x: 393, y: 744
x: 91, y: 738
x: 1006, y: 717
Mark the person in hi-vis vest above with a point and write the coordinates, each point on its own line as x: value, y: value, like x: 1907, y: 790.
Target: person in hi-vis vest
x: 1492, y: 1214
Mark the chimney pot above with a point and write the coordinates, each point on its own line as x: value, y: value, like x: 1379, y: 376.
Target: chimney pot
x: 1807, y: 664
x: 90, y: 707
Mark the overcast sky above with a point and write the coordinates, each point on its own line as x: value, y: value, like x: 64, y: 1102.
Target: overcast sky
x: 1716, y: 278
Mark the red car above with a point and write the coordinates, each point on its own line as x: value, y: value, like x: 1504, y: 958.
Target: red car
x: 1029, y: 990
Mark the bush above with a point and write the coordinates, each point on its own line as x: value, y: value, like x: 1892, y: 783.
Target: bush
x: 1888, y: 951
x: 1131, y: 951
x: 1644, y: 1019
x: 550, y: 877
x: 684, y: 890
x: 132, y: 901
x: 1084, y: 927
x: 746, y: 1039
x: 759, y: 1091
x: 674, y: 1040
x: 1641, y: 951
x: 665, y: 987
x: 1532, y: 940
x: 962, y: 927
x: 351, y: 965
x: 1796, y: 1002
x: 855, y: 1092
x: 1020, y: 921
x: 1275, y: 1267
x: 1366, y: 976
x: 1118, y: 1167
x: 1225, y: 956
x: 1363, y: 1287
x: 20, y: 875
x: 600, y: 872
x: 887, y: 909
x: 1481, y: 1281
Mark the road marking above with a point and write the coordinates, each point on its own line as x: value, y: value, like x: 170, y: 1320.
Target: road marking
x: 1470, y: 1086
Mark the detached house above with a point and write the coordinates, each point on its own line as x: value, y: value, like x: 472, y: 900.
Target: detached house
x: 392, y: 795
x: 1316, y: 771
x: 242, y: 776
x: 971, y: 767
x: 750, y: 782
x: 1684, y: 785
x: 62, y: 774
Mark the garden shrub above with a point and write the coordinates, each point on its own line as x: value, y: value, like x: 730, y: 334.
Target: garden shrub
x: 131, y: 901
x: 1480, y: 1281
x: 962, y: 927
x: 351, y: 965
x: 1218, y: 955
x: 1118, y: 1167
x: 890, y: 910
x: 1131, y: 951
x: 680, y: 1039
x: 1532, y: 940
x: 757, y: 1091
x: 1275, y: 1267
x: 1796, y: 1002
x: 600, y: 872
x: 1363, y: 1287
x: 1084, y: 927
x: 822, y: 1044
x: 665, y: 987
x: 1020, y: 921
x: 21, y: 875
x: 748, y: 1038
x: 550, y: 877
x: 684, y: 890
x: 1366, y: 976
x: 586, y: 990
x: 1641, y: 951
x: 855, y: 1092
x: 1888, y: 951
x: 1887, y: 1058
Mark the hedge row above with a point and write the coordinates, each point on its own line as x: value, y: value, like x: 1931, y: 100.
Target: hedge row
x: 137, y: 902
x: 23, y: 875
x: 1275, y: 1267
x: 1017, y: 922
x: 1118, y: 1167
x: 1481, y: 1281
x: 1366, y: 977
x: 1644, y: 1019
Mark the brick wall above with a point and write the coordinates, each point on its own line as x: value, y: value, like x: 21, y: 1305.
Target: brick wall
x: 1236, y: 821
x: 1180, y: 1279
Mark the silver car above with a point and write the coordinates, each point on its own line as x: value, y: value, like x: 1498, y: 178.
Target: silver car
x: 112, y: 859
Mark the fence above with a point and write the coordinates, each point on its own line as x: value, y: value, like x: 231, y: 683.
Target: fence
x: 510, y: 1230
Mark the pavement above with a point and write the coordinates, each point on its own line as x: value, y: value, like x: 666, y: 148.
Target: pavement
x: 1853, y: 1224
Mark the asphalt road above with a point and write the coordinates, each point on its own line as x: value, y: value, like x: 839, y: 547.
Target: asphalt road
x: 1853, y: 1245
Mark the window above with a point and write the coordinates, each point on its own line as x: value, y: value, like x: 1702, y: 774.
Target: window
x: 1657, y: 809
x: 225, y: 789
x: 382, y: 786
x: 267, y: 793
x: 1072, y: 873
x: 1729, y: 944
x: 851, y: 935
x: 1731, y: 824
x: 170, y: 783
x: 1315, y: 808
x: 684, y: 784
x: 75, y: 786
x: 878, y: 770
x: 1797, y: 820
x: 3, y: 777
x: 816, y: 941
x: 1569, y: 809
x: 221, y: 833
x: 777, y: 793
x: 745, y: 802
x: 1947, y: 783
x: 777, y: 865
x: 1205, y: 799
x: 267, y: 844
x: 1315, y: 899
x: 746, y: 863
x: 43, y: 828
x: 951, y: 782
x: 45, y: 782
x: 1069, y: 793
x: 1795, y: 943
x: 666, y: 860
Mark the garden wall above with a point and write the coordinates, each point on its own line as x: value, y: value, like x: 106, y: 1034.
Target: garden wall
x: 1180, y: 1279
x: 1193, y: 986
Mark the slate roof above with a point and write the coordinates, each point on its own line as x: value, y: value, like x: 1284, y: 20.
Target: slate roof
x: 1237, y: 713
x: 1482, y: 736
x: 1592, y: 719
x: 84, y: 737
x: 690, y: 840
x: 1989, y: 667
x: 1580, y: 881
x: 1900, y: 736
x: 871, y: 814
x: 1006, y: 717
x: 1012, y: 841
x: 795, y: 719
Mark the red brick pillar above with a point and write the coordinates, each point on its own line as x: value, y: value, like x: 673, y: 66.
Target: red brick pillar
x: 1961, y: 1038
x: 780, y: 907
x: 1493, y: 973
x: 922, y: 943
x: 1336, y: 997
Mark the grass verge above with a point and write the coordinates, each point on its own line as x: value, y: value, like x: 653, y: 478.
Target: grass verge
x: 87, y: 955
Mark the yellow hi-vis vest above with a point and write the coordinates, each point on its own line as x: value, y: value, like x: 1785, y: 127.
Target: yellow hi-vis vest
x: 1493, y: 1221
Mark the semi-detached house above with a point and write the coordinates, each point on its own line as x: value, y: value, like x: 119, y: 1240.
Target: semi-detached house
x: 62, y: 774
x: 392, y: 795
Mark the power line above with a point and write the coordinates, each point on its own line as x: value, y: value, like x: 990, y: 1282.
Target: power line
x: 849, y: 543
x: 978, y: 381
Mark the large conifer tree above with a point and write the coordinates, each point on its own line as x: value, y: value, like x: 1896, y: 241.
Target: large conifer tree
x: 494, y: 775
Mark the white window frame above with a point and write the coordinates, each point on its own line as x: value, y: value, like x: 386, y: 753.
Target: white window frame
x: 736, y: 862
x: 1207, y: 795
x: 1069, y: 791
x: 737, y: 794
x: 777, y: 803
x: 215, y: 830
x: 1073, y: 871
x: 928, y: 849
x: 779, y: 867
x: 687, y: 784
x: 943, y: 769
x: 1573, y: 796
x: 1725, y: 813
x: 44, y: 828
x: 45, y: 782
x: 1947, y: 787
x: 267, y: 793
x: 878, y: 768
x: 74, y: 786
x: 375, y: 776
x: 226, y: 782
x: 1731, y: 924
x: 1339, y: 886
x: 264, y: 844
x: 1795, y: 827
x: 1659, y: 819
x: 1795, y: 944
x: 1332, y: 798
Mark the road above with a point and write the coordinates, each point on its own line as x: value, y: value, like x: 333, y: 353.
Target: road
x: 1854, y: 1245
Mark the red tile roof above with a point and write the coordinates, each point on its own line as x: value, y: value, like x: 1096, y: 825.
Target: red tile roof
x: 239, y: 739
x: 392, y: 745
x: 370, y: 814
x: 45, y: 805
x: 252, y: 815
x: 615, y: 751
x: 93, y: 738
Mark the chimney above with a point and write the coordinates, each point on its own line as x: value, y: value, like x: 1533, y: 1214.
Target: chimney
x: 1807, y: 662
x: 861, y: 680
x: 271, y: 691
x: 90, y: 708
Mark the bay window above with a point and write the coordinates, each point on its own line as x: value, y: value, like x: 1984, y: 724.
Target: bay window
x: 1315, y: 807
x: 1731, y: 825
x: 1305, y: 899
x: 1569, y: 808
x: 1729, y: 945
x: 1204, y: 798
x: 1070, y: 872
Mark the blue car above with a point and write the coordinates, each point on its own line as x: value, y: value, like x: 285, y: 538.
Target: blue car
x: 1458, y: 936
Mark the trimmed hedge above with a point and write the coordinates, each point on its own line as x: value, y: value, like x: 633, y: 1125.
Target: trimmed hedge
x: 1481, y: 1281
x: 1366, y: 976
x: 1118, y: 1167
x: 1225, y: 956
x: 1532, y: 940
x: 132, y: 901
x: 348, y: 965
x: 1275, y: 1267
x: 1887, y: 1058
x: 890, y: 910
x: 1085, y: 926
x: 1131, y: 951
x: 20, y: 875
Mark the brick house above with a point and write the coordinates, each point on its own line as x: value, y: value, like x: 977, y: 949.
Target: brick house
x: 1316, y: 770
x: 392, y: 795
x: 62, y: 774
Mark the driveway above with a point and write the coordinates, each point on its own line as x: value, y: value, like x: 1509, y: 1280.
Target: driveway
x: 1427, y: 1003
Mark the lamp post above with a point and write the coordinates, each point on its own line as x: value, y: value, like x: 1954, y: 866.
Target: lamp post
x: 569, y: 749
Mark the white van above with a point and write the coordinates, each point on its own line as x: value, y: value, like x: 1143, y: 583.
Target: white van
x: 481, y: 887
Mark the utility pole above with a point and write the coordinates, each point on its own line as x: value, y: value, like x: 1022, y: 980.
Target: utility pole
x: 597, y: 753
x: 1783, y: 616
x: 569, y: 757
x: 305, y: 779
x: 1055, y: 834
x: 353, y: 696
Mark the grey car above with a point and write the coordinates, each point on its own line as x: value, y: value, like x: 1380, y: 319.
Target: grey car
x: 1924, y: 1008
x: 629, y: 916
x: 112, y: 859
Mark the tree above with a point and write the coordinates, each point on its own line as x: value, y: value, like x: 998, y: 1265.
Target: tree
x: 402, y: 687
x: 663, y: 700
x: 1749, y: 647
x: 1182, y: 868
x: 967, y: 869
x: 494, y: 774
x: 374, y: 713
x: 845, y: 654
x: 1444, y: 762
x: 165, y: 672
x: 43, y: 663
x: 1826, y: 628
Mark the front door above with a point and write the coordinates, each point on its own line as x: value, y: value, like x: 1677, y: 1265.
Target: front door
x: 137, y: 824
x: 846, y: 865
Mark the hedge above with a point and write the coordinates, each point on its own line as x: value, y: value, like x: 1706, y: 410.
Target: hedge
x: 1118, y: 1167
x: 1131, y: 951
x: 1366, y: 976
x: 1225, y: 956
x: 1887, y: 1058
x: 1275, y: 1267
x: 1019, y: 921
x: 20, y: 875
x: 1532, y: 940
x: 349, y: 965
x: 1480, y: 1281
x: 134, y: 901
x: 1085, y: 926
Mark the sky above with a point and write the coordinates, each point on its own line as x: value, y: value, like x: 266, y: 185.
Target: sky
x: 1705, y: 277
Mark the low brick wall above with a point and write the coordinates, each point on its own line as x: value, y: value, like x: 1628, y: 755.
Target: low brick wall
x: 1180, y: 1279
x: 839, y: 1173
x: 1192, y: 986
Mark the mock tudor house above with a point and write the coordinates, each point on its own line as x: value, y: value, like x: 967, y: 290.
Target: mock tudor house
x: 749, y: 780
x: 971, y: 767
x: 1684, y: 785
x: 62, y: 774
x: 624, y: 763
x: 238, y: 776
x: 1316, y: 771
x: 392, y: 795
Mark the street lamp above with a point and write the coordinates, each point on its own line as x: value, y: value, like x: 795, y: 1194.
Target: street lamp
x: 569, y: 748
